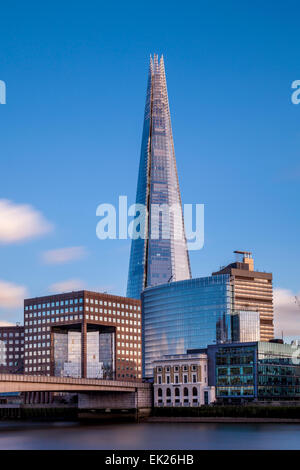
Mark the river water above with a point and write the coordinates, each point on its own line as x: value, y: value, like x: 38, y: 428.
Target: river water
x: 155, y: 436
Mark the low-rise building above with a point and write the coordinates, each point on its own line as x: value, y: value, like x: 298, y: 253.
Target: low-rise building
x: 182, y: 380
x: 12, y: 349
x: 254, y: 371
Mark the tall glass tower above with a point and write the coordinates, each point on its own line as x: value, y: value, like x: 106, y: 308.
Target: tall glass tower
x: 155, y: 257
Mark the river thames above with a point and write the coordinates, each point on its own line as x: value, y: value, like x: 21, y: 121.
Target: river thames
x: 148, y: 436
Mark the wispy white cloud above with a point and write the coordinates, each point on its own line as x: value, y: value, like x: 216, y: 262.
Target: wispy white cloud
x: 67, y: 285
x: 20, y: 222
x: 11, y: 295
x: 286, y: 313
x: 64, y: 255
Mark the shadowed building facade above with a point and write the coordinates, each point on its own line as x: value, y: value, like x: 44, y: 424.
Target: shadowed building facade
x: 12, y: 349
x: 156, y: 259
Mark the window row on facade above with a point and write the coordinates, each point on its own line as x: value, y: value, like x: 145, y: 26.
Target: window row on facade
x: 67, y: 302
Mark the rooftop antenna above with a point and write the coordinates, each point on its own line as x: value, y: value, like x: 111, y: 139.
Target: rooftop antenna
x: 171, y: 277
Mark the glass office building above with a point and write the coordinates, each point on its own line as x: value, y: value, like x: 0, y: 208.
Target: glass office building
x: 155, y: 257
x: 183, y: 315
x: 68, y: 354
x: 254, y: 371
x: 245, y: 326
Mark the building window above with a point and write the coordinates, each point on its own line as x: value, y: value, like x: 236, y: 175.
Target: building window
x: 159, y: 392
x: 185, y: 392
x: 195, y: 391
x: 168, y: 392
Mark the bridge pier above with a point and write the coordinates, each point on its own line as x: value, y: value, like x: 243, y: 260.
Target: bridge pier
x: 97, y: 404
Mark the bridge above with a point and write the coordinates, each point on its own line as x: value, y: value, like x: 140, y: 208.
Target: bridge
x: 96, y: 394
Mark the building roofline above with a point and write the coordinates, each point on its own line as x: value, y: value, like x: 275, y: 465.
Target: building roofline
x: 84, y: 292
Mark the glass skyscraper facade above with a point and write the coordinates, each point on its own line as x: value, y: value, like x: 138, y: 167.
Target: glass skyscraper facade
x: 245, y: 326
x: 156, y: 259
x: 185, y: 315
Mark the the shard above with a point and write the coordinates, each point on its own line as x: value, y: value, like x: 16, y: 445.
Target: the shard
x: 158, y: 259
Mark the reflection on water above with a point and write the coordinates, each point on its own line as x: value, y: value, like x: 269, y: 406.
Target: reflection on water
x: 16, y: 435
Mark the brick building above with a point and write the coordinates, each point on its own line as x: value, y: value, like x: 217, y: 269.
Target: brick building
x: 11, y: 349
x: 83, y: 334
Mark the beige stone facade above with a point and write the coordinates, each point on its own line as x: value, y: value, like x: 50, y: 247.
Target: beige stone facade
x: 182, y: 380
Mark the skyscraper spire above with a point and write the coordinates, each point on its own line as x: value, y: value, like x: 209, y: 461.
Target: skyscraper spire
x: 157, y: 260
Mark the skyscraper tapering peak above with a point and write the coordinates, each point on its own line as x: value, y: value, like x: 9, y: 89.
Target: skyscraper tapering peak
x: 156, y: 63
x: 158, y: 259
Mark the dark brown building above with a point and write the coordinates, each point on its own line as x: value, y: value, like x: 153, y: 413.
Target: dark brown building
x: 11, y: 349
x: 252, y: 290
x: 83, y: 334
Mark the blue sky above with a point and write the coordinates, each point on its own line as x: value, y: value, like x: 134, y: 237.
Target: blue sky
x: 71, y: 130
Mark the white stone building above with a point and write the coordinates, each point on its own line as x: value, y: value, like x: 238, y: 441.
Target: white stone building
x: 182, y: 380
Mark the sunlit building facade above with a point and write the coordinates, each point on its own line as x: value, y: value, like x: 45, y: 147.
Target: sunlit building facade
x: 183, y: 315
x: 83, y: 334
x: 67, y: 354
x: 181, y: 380
x: 155, y: 257
x: 252, y: 290
x: 245, y: 326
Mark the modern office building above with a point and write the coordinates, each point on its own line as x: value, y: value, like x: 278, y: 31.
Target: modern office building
x: 186, y: 314
x: 252, y: 290
x: 83, y: 334
x: 245, y: 326
x: 254, y: 371
x: 12, y: 349
x: 181, y: 380
x: 157, y: 257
